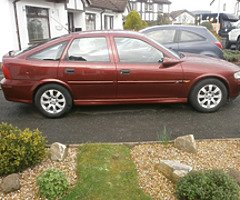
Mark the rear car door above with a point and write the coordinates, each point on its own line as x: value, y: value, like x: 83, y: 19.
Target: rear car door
x: 88, y: 69
x: 191, y: 42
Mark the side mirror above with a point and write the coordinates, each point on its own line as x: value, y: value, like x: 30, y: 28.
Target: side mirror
x: 168, y: 62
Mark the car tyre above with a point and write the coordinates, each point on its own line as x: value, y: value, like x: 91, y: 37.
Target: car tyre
x: 238, y: 44
x: 53, y: 100
x: 208, y: 95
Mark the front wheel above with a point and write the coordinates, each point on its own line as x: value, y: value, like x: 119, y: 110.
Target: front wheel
x: 53, y: 100
x: 208, y: 95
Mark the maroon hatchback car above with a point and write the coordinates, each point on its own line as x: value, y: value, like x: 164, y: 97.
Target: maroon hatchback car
x: 114, y: 67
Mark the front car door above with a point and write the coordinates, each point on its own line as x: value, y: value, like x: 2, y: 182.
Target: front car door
x: 141, y: 74
x: 89, y: 70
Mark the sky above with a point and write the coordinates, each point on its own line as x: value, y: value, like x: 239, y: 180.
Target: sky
x: 191, y: 5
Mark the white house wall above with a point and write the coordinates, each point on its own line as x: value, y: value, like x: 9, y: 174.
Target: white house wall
x: 230, y: 6
x: 57, y: 19
x: 185, y: 18
x: 8, y: 39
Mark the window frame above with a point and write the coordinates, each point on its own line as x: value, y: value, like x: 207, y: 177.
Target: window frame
x: 37, y: 16
x: 66, y: 57
x: 126, y: 37
x: 93, y: 16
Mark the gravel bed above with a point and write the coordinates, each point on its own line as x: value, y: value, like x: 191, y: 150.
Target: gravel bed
x: 29, y: 189
x: 211, y: 155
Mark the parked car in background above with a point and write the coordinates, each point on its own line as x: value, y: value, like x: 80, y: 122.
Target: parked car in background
x: 114, y: 67
x: 183, y: 38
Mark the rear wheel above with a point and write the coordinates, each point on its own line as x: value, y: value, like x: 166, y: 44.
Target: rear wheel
x: 208, y: 95
x: 53, y: 100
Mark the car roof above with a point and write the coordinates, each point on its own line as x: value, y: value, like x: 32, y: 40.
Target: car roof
x: 191, y: 27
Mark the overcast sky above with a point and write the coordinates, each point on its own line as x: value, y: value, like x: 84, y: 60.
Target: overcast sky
x: 190, y: 5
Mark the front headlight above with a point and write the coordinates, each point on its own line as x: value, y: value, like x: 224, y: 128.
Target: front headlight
x: 237, y: 75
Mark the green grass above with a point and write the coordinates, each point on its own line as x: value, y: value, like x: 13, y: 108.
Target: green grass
x: 106, y: 172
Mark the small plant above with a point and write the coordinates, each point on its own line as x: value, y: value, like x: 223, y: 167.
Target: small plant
x: 20, y: 149
x: 206, y: 185
x: 164, y: 137
x: 52, y: 184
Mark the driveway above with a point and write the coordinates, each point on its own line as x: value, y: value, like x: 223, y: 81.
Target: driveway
x: 125, y: 123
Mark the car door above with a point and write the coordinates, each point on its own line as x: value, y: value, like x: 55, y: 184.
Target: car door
x: 89, y: 70
x: 191, y: 42
x: 141, y: 74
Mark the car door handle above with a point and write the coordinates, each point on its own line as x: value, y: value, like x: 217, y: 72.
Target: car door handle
x: 69, y: 71
x: 125, y: 71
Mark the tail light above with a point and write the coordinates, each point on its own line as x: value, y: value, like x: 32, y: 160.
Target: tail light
x: 218, y: 44
x: 6, y: 72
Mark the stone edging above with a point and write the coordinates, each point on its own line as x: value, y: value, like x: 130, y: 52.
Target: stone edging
x: 132, y: 144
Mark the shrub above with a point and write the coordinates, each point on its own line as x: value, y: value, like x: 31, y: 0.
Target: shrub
x: 206, y: 185
x: 20, y: 149
x: 231, y: 55
x: 134, y: 21
x: 52, y: 184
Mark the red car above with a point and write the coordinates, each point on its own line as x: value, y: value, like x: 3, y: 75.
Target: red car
x: 114, y: 67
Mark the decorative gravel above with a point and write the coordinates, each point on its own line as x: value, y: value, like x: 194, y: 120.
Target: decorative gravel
x: 29, y: 190
x: 211, y: 155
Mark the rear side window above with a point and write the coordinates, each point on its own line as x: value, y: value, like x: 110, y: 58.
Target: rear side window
x: 162, y: 36
x: 187, y: 36
x: 89, y: 50
x: 50, y: 53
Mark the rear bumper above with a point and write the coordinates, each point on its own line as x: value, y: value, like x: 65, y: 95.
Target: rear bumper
x: 17, y: 90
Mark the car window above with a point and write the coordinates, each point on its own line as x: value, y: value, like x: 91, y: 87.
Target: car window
x: 50, y: 53
x: 162, y: 36
x: 187, y: 36
x: 137, y: 51
x: 89, y: 50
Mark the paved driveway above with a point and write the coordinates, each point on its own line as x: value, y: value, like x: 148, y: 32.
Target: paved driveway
x: 126, y: 122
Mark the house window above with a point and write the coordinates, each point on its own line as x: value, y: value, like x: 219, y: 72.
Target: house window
x: 134, y: 6
x: 37, y: 24
x: 160, y: 7
x: 108, y: 22
x: 224, y: 7
x: 90, y: 21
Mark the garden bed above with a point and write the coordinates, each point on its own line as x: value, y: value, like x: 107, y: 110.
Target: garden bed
x: 212, y: 154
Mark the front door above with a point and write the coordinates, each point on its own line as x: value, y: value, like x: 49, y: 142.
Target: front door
x: 141, y: 74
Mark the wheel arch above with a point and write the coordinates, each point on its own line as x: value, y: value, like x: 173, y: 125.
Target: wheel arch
x: 51, y: 81
x: 222, y: 79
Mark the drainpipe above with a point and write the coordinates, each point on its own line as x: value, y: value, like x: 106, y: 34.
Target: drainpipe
x: 17, y: 24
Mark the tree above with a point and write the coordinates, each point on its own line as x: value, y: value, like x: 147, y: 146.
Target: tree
x: 134, y: 21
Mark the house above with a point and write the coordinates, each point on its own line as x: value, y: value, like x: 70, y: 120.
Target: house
x: 149, y: 10
x: 182, y: 17
x: 225, y: 6
x: 29, y: 21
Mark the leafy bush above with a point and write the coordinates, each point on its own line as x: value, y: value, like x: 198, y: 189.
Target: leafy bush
x: 52, y: 184
x: 207, y: 185
x: 231, y: 55
x: 134, y: 21
x: 20, y: 149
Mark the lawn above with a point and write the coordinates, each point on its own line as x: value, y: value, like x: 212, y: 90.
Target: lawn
x: 106, y: 172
